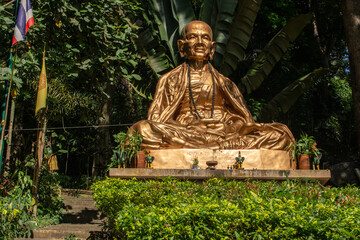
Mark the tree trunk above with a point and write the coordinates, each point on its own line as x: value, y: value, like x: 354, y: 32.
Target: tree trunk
x: 104, y: 136
x: 351, y: 15
x: 325, y: 45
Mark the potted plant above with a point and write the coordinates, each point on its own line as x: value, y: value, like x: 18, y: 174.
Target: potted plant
x: 302, y: 150
x: 127, y: 149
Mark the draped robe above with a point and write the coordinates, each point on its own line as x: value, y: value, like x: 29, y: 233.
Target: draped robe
x: 173, y: 122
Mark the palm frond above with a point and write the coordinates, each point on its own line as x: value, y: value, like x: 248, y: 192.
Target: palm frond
x: 272, y: 53
x: 240, y: 33
x: 219, y: 15
x: 283, y: 101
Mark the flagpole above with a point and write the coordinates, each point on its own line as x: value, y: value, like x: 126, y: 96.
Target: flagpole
x: 4, y: 106
x: 40, y: 155
x: 6, y: 109
x: 40, y: 107
x: 11, y: 125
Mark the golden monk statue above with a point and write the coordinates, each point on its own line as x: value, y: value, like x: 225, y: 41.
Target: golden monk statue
x: 196, y: 107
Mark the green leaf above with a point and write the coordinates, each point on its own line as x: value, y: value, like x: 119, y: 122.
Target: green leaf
x: 167, y: 24
x: 238, y: 236
x: 219, y: 15
x: 183, y: 12
x: 240, y: 33
x: 136, y: 76
x: 124, y: 70
x: 272, y: 53
x: 283, y: 101
x: 151, y: 47
x: 171, y: 17
x: 140, y: 91
x: 159, y: 62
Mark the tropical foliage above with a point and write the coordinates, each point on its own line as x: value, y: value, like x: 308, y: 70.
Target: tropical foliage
x: 232, y: 23
x: 17, y: 201
x: 15, y: 220
x: 128, y: 144
x: 304, y: 144
x: 219, y: 209
x: 104, y: 57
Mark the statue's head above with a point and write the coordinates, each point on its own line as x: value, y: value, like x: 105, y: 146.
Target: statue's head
x: 196, y: 41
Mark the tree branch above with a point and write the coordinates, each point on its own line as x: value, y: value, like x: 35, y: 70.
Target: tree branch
x: 6, y: 4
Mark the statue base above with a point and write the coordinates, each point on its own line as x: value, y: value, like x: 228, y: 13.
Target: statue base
x: 254, y: 158
x: 235, y: 174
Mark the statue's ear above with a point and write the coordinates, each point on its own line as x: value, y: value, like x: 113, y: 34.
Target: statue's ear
x: 212, y: 50
x: 180, y: 44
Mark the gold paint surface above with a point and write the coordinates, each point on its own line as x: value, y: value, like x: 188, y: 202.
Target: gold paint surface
x: 254, y: 159
x: 174, y: 124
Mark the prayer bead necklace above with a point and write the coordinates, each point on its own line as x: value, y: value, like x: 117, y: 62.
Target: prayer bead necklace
x: 191, y: 95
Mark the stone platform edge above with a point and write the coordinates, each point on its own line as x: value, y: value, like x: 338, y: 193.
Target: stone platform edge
x: 201, y: 174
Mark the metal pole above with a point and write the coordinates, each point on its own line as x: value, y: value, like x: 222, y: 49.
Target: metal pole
x: 3, y: 123
x: 7, y: 87
x: 11, y: 124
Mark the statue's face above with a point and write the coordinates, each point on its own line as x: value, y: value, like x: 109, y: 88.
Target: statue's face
x: 196, y: 43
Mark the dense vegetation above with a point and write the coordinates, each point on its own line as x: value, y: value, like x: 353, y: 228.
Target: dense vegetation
x: 98, y: 74
x: 101, y: 80
x: 16, y: 202
x: 220, y: 209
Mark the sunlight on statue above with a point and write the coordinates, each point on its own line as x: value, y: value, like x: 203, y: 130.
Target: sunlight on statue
x: 197, y: 107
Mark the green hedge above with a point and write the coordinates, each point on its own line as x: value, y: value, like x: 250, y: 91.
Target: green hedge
x: 221, y: 209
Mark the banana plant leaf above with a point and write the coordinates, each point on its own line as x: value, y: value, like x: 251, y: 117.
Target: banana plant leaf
x: 283, y: 101
x: 140, y: 91
x: 240, y: 33
x: 219, y: 15
x: 272, y: 53
x: 170, y: 23
x: 154, y: 51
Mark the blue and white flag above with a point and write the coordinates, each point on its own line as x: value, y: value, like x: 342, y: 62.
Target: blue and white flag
x: 24, y: 21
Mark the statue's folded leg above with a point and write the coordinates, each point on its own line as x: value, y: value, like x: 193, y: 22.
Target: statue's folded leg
x: 165, y: 135
x: 274, y: 136
x: 150, y: 138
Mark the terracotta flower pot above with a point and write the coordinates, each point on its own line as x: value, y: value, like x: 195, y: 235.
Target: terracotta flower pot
x: 140, y: 162
x: 304, y: 162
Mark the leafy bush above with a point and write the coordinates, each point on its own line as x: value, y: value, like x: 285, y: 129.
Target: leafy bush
x: 127, y: 143
x: 221, y: 209
x: 16, y: 202
x: 50, y: 201
x: 15, y: 220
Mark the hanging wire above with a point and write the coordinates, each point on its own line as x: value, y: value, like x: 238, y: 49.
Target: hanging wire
x: 75, y: 127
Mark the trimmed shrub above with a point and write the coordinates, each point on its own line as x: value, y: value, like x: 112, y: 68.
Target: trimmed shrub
x: 221, y: 209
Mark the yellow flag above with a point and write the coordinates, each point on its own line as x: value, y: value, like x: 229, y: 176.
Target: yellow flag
x: 42, y: 89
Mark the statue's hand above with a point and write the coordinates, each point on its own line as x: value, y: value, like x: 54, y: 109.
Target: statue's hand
x: 208, y: 125
x: 205, y: 121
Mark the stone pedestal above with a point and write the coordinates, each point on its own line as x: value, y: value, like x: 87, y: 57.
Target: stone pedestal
x: 202, y: 174
x: 254, y: 159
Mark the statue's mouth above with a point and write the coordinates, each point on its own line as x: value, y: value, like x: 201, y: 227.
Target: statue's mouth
x: 199, y: 49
